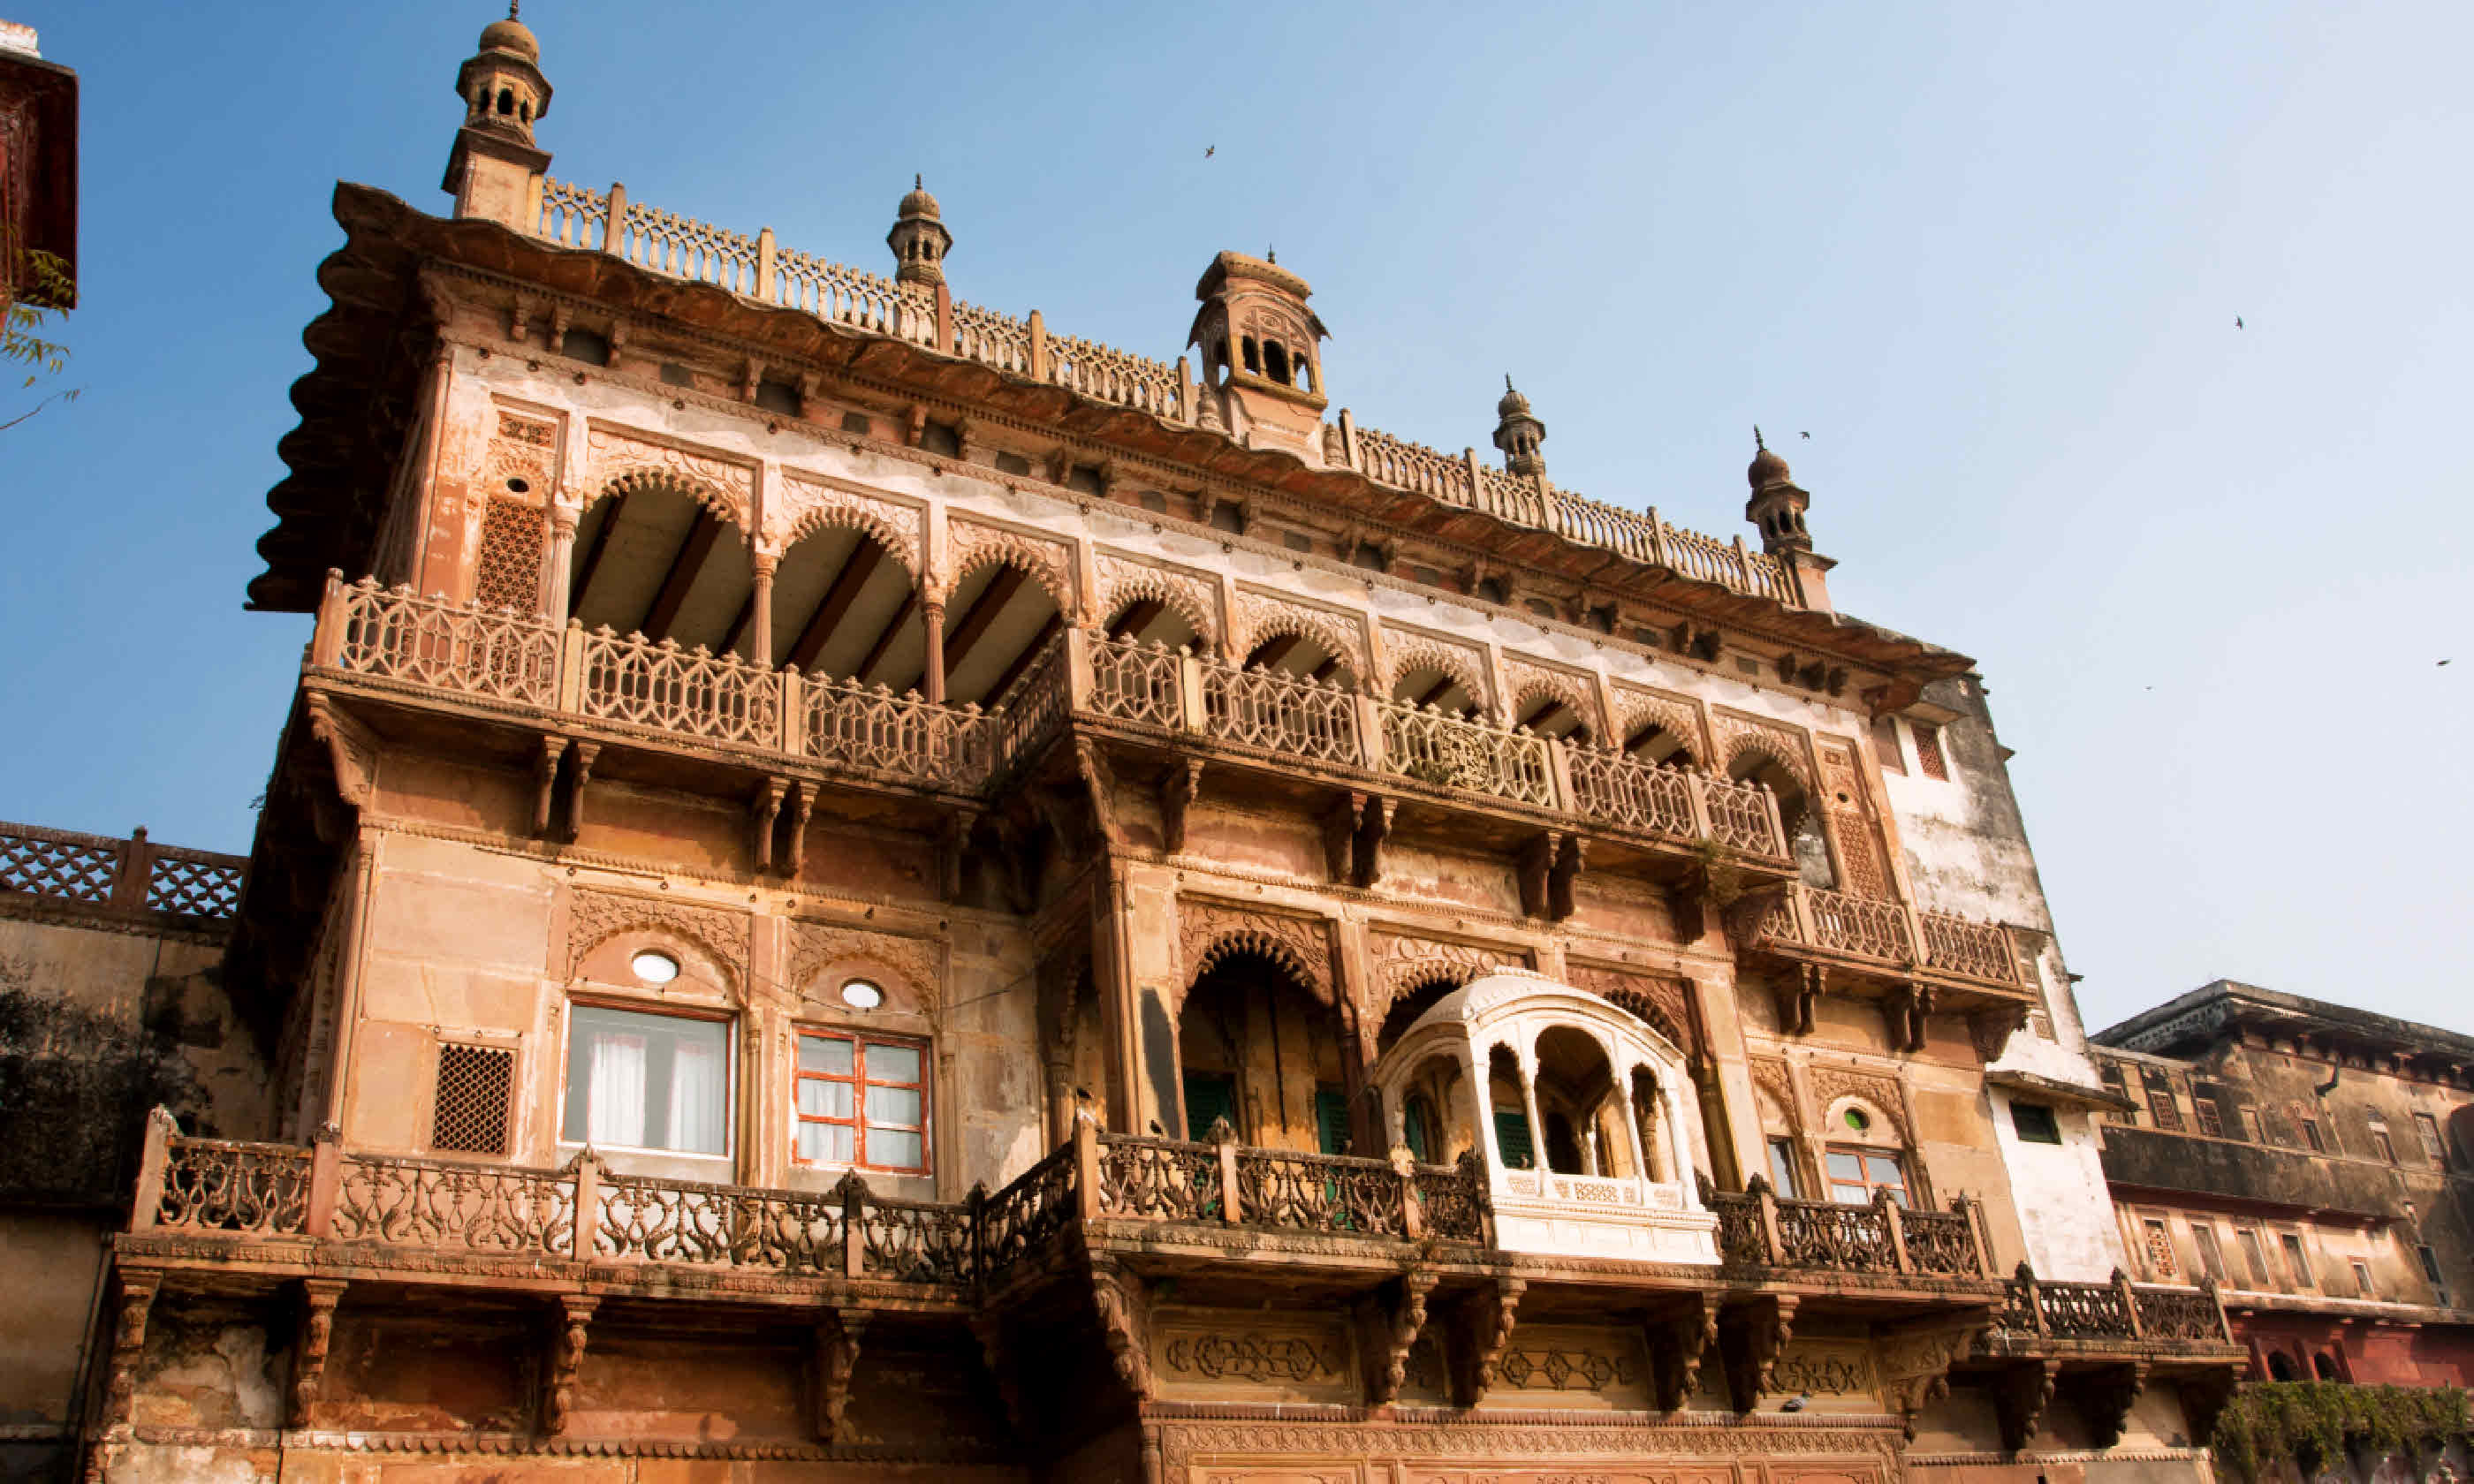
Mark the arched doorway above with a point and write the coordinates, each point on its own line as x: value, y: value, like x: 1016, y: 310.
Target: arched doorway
x: 1257, y: 1047
x: 845, y: 606
x: 651, y: 558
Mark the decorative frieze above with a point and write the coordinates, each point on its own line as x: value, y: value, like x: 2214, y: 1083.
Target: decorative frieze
x: 619, y: 461
x: 1260, y: 616
x: 593, y: 918
x: 1209, y: 931
x: 972, y: 544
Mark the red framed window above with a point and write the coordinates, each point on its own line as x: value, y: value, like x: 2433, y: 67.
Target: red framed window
x: 1855, y: 1174
x: 861, y: 1101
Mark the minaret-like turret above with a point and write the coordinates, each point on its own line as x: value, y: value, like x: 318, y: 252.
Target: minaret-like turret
x: 1262, y: 351
x: 919, y: 239
x: 494, y: 167
x: 1519, y: 434
x: 1777, y: 506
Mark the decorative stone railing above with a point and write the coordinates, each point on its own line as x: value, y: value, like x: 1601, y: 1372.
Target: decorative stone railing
x: 1887, y: 931
x: 1757, y: 1229
x: 502, y: 658
x: 680, y: 247
x: 2035, y: 1308
x: 134, y: 875
x: 1222, y: 1183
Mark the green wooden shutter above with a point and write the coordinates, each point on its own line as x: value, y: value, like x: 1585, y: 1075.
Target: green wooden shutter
x: 1512, y: 1140
x: 1208, y: 1096
x: 1413, y: 1127
x: 1331, y: 1119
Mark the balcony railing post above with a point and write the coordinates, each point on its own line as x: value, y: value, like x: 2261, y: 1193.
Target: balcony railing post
x: 1894, y: 1221
x: 1777, y: 825
x: 1800, y: 906
x: 1559, y: 774
x: 325, y: 1179
x: 1370, y: 732
x: 1917, y: 951
x: 1413, y: 1216
x: 2035, y: 1298
x: 146, y: 1201
x: 1038, y: 346
x: 1978, y: 1234
x: 2129, y: 1303
x: 1696, y: 798
x: 1224, y: 1141
x: 765, y: 265
x: 1086, y: 1168
x: 1192, y: 709
x: 794, y: 712
x: 1077, y: 669
x: 1743, y: 567
x: 327, y: 644
x: 854, y: 1192
x: 2216, y: 1293
x: 571, y: 668
x: 587, y: 1206
x: 1771, y: 1245
x: 614, y: 232
x: 137, y: 869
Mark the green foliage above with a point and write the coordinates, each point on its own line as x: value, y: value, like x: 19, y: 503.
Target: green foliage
x: 2314, y: 1421
x: 22, y: 338
x: 1722, y: 881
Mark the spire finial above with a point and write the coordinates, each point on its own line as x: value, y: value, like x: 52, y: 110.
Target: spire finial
x: 1507, y: 381
x: 513, y: 5
x: 918, y: 181
x: 1757, y: 437
x: 1270, y: 254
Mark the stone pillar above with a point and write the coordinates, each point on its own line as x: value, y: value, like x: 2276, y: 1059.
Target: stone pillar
x: 759, y: 627
x: 1529, y: 1105
x: 555, y: 578
x: 1481, y: 1092
x: 933, y: 614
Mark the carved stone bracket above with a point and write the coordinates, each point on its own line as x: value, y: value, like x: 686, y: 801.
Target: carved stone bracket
x: 1100, y: 784
x: 1373, y: 828
x: 138, y: 1292
x: 836, y: 1340
x: 2019, y: 1399
x: 1341, y: 825
x: 1795, y: 1000
x: 567, y: 1337
x: 1390, y: 1323
x: 1991, y: 1029
x: 1677, y: 1343
x: 989, y: 1331
x: 349, y: 750
x: 1915, y: 1361
x: 1178, y: 789
x: 1750, y: 1338
x: 579, y: 772
x: 2105, y: 1397
x: 546, y: 783
x: 1908, y: 1011
x: 317, y: 1332
x: 1124, y: 1324
x: 803, y: 804
x: 1484, y: 1321
x: 764, y: 816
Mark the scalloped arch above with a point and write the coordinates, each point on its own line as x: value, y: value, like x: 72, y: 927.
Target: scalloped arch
x: 820, y: 519
x: 1762, y: 747
x: 725, y: 506
x: 1531, y: 682
x: 1139, y: 583
x: 1464, y: 667
x: 1026, y: 555
x: 1239, y: 937
x: 650, y: 921
x: 1273, y: 622
x: 1671, y: 717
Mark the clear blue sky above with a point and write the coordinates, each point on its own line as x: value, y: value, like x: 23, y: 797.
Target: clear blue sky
x: 1990, y: 256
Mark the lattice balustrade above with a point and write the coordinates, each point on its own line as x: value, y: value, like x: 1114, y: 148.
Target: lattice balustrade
x: 1295, y: 715
x: 1113, y: 376
x: 692, y: 692
x: 475, y: 1208
x: 2083, y: 1311
x: 195, y: 883
x: 1507, y: 496
x: 1024, y: 1217
x: 1592, y: 523
x: 1861, y: 926
x: 681, y: 246
x: 1771, y: 579
x: 1028, y: 714
x: 1740, y: 815
x: 1829, y: 1234
x: 1704, y: 556
x: 684, y: 1221
x: 992, y: 339
x: 1136, y: 682
x: 571, y: 215
x: 214, y: 1184
x: 832, y: 291
x: 1939, y: 1241
x: 58, y: 864
x: 507, y: 572
x: 1979, y: 951
x: 916, y: 1241
x: 1614, y: 789
x: 1159, y: 1178
x: 1406, y: 465
x: 2017, y: 1314
x: 1739, y: 1229
x: 1434, y: 747
x: 875, y: 731
x: 396, y: 634
x: 1318, y: 1192
x: 2180, y: 1314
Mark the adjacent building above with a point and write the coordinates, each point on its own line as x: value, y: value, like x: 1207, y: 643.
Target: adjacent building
x: 856, y: 887
x: 2310, y: 1159
x: 39, y: 160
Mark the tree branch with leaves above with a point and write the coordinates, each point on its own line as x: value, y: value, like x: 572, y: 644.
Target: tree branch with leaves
x: 25, y: 338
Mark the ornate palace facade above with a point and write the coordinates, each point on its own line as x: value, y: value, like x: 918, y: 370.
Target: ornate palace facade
x: 857, y: 888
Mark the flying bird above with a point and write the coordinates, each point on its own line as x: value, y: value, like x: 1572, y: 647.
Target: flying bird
x: 2238, y: 325
x: 1208, y: 152
x: 1803, y: 435
x: 2443, y: 661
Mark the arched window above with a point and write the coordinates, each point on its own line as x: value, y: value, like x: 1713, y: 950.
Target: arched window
x: 1275, y: 361
x: 649, y: 1049
x: 2324, y: 1366
x: 2280, y: 1367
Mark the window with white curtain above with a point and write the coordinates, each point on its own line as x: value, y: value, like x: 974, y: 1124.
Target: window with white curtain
x: 637, y: 1081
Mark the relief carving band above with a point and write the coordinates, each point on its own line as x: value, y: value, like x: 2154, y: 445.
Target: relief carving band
x: 1256, y: 1357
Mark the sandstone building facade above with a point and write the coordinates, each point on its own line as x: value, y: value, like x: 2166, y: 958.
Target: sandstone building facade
x: 2311, y: 1159
x: 857, y: 888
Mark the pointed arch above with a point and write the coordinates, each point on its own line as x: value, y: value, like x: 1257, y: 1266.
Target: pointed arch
x: 1124, y: 583
x: 1464, y: 668
x: 821, y: 507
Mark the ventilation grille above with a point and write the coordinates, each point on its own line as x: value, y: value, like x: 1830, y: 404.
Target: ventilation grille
x: 471, y: 1106
x: 509, y: 571
x: 1928, y: 758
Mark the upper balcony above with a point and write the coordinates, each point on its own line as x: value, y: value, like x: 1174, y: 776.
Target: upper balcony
x: 1896, y: 944
x: 1287, y: 730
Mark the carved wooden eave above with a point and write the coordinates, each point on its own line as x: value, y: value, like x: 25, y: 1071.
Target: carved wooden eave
x: 371, y: 341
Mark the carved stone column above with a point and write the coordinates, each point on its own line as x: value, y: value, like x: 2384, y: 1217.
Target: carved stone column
x: 1529, y: 1104
x: 760, y: 624
x: 562, y: 520
x: 932, y: 613
x: 1640, y: 1158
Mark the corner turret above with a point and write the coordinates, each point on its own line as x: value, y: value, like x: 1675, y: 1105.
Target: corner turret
x: 1262, y: 355
x: 494, y: 169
